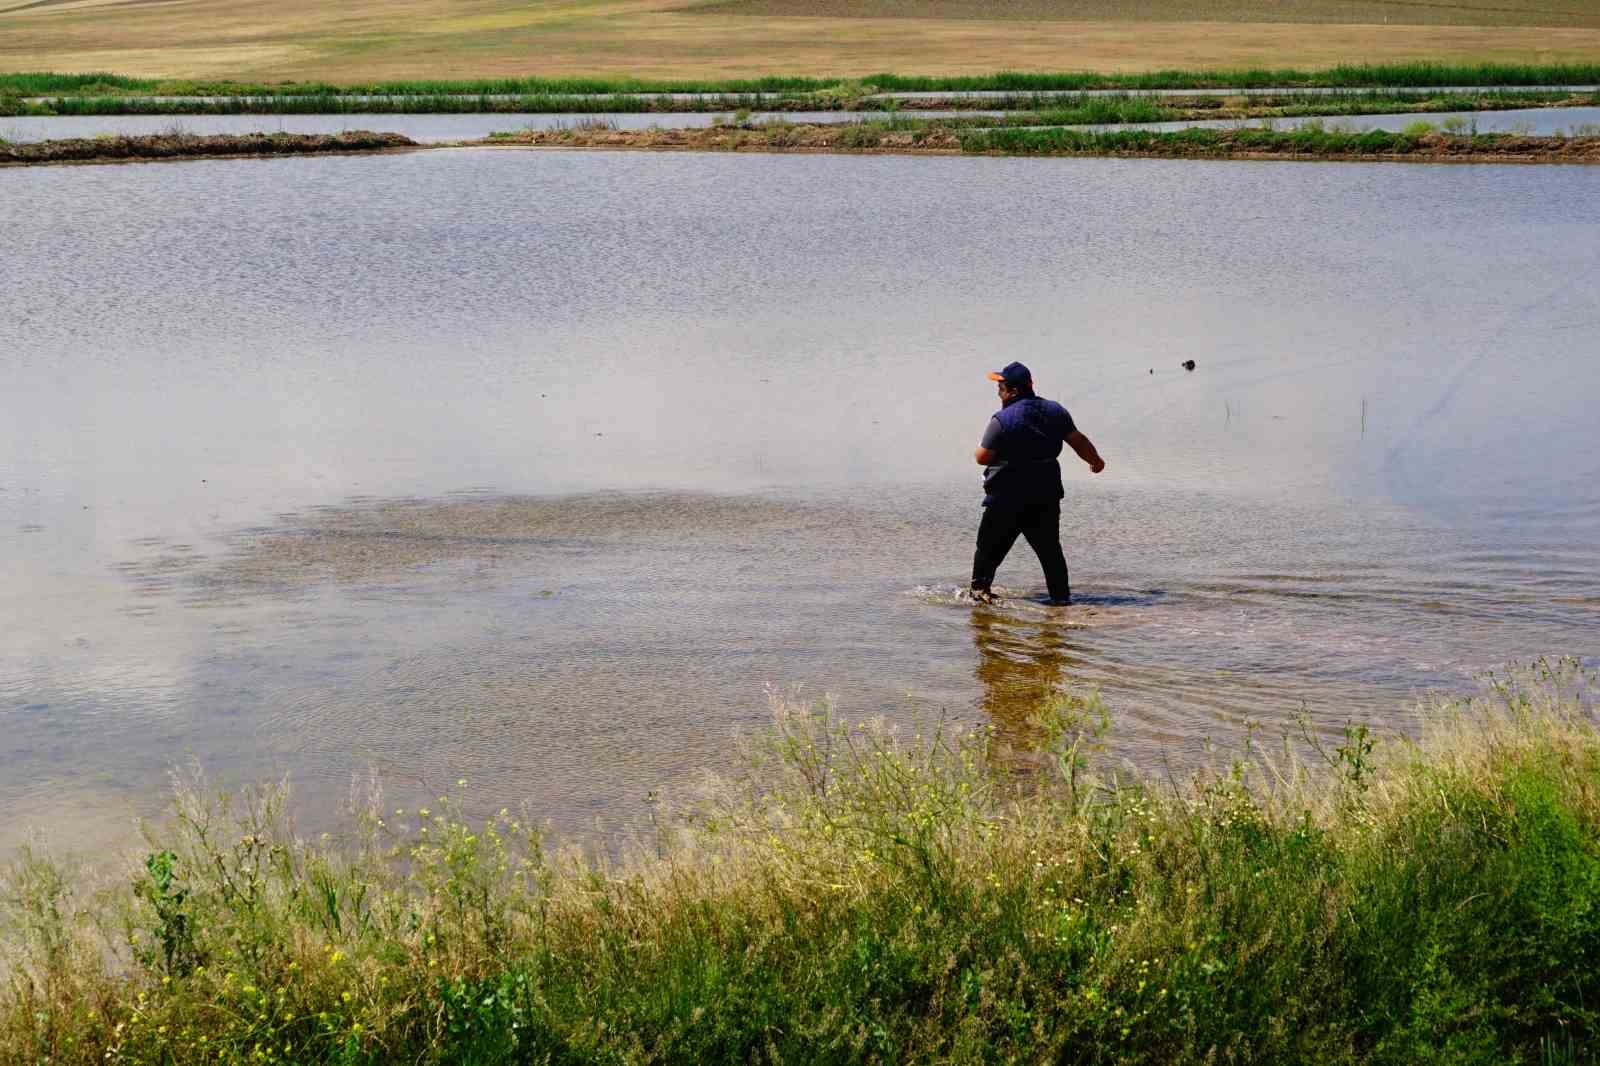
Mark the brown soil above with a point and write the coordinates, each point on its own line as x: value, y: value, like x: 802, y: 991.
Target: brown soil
x: 189, y: 146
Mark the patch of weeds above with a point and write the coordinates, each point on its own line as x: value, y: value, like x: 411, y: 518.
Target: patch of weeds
x: 780, y: 133
x: 582, y: 124
x: 172, y: 950
x: 858, y: 135
x: 1420, y: 128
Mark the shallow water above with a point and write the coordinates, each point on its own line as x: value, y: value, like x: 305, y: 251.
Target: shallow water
x: 535, y: 469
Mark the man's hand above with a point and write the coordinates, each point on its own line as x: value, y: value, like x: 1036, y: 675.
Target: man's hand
x: 1085, y: 449
x: 985, y: 456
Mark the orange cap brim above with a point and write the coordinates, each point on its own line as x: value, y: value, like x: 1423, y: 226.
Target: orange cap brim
x: 994, y: 375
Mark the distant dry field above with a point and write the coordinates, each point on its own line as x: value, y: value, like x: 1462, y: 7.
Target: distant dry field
x: 1548, y: 13
x: 371, y: 39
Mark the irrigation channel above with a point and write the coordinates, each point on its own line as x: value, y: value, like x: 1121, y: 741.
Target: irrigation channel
x: 533, y: 469
x: 436, y: 128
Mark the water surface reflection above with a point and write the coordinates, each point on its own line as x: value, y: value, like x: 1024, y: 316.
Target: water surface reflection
x: 535, y: 468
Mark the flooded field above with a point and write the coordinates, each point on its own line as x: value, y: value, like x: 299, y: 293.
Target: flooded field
x: 535, y: 469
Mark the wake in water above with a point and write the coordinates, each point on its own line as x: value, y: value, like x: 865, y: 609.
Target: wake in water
x: 1086, y: 609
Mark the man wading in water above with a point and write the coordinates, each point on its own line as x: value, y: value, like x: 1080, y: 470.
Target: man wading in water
x: 1022, y: 490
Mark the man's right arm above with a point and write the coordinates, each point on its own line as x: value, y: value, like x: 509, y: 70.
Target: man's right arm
x: 989, y: 448
x: 1085, y: 449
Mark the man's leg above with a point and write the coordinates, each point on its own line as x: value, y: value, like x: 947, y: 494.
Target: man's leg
x: 997, y: 532
x: 1042, y: 527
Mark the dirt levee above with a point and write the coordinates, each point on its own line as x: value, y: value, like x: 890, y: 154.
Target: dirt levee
x: 188, y: 145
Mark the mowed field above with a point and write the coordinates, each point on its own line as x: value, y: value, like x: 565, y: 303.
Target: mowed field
x: 372, y: 39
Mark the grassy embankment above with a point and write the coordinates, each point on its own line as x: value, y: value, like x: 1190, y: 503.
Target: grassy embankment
x: 180, y: 145
x: 868, y: 899
x: 1423, y: 143
x: 1342, y: 76
x: 1028, y: 108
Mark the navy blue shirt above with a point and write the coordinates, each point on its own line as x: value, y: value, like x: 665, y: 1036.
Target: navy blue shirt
x: 1026, y: 436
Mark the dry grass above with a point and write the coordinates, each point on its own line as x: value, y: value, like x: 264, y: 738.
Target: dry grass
x: 1551, y: 13
x: 679, y: 38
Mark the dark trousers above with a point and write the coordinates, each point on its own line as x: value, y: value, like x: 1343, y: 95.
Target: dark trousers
x: 1039, y: 521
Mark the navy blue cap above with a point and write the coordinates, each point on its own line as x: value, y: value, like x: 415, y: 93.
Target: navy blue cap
x: 1013, y: 374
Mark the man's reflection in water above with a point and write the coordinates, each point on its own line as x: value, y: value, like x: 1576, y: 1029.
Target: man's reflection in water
x: 1022, y: 666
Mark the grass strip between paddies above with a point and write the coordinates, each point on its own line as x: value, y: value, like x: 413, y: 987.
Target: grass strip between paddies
x: 934, y: 136
x: 43, y: 83
x: 1311, y: 142
x: 864, y: 895
x: 1040, y: 107
x: 180, y: 145
x: 905, y: 136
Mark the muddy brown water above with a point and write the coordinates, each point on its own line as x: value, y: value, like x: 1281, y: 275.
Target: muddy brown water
x: 535, y: 469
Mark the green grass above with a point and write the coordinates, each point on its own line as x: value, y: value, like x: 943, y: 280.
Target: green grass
x: 179, y: 143
x: 1348, y: 76
x: 1308, y: 140
x: 867, y: 897
x: 1028, y: 109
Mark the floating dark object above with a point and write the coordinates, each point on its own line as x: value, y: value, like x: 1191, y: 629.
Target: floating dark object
x: 1152, y: 370
x: 1187, y: 364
